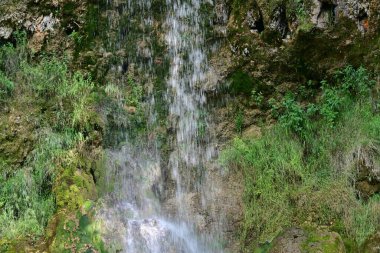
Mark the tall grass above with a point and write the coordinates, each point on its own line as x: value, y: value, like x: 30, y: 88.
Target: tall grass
x: 301, y: 171
x: 67, y: 102
x: 25, y: 195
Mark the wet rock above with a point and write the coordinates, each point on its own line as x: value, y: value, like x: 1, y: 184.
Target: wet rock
x: 246, y: 52
x: 36, y: 42
x: 130, y: 109
x: 367, y: 171
x: 372, y: 244
x: 222, y: 11
x: 252, y: 132
x: 298, y: 240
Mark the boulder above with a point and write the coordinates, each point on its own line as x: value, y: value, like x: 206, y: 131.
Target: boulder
x: 298, y: 240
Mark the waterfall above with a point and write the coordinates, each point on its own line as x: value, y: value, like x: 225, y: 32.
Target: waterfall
x: 136, y: 219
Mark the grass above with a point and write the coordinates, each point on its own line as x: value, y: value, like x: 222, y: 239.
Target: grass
x: 301, y: 171
x: 25, y: 194
x: 67, y: 102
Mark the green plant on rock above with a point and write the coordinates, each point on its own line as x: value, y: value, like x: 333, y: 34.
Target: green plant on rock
x: 331, y: 104
x: 257, y: 97
x: 134, y: 93
x: 80, y: 93
x: 355, y: 81
x: 55, y: 173
x: 77, y: 38
x: 239, y: 121
x: 12, y: 57
x: 6, y: 86
x: 296, y: 181
x: 294, y: 117
x: 48, y: 78
x: 25, y: 197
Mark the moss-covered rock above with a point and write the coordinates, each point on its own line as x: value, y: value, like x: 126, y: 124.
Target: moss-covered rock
x: 76, y: 231
x: 298, y: 240
x: 18, y: 122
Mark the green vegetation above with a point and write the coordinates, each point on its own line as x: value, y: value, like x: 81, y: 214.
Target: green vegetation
x: 55, y: 175
x: 300, y: 172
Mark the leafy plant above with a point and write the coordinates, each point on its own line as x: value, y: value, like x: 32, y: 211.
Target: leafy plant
x: 25, y: 197
x: 257, y: 98
x: 332, y: 103
x: 77, y: 38
x: 134, y: 93
x: 355, y: 81
x: 294, y: 116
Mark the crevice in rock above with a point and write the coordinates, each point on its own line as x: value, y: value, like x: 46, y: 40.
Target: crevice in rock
x: 279, y: 21
x: 255, y: 20
x: 92, y: 172
x: 327, y: 15
x: 363, y: 22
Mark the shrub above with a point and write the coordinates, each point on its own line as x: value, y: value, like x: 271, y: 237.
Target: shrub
x: 239, y: 121
x: 12, y: 57
x: 355, y: 81
x: 293, y: 117
x: 331, y: 104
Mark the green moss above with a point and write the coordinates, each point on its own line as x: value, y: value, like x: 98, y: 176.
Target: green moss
x: 241, y: 83
x: 73, y: 188
x: 319, y: 242
x: 79, y: 233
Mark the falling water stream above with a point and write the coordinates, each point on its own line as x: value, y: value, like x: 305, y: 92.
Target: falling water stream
x: 134, y: 213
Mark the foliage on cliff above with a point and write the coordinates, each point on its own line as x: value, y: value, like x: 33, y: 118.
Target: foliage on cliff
x: 302, y: 171
x: 54, y: 112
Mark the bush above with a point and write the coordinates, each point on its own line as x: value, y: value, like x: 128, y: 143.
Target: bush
x: 294, y: 116
x: 331, y: 104
x: 48, y: 78
x: 12, y: 57
x: 355, y: 81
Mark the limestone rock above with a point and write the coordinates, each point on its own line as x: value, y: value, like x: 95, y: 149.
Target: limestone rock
x: 367, y: 171
x: 279, y: 21
x: 5, y: 32
x: 297, y: 240
x: 255, y: 20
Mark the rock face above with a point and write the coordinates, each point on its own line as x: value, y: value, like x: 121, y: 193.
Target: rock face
x: 367, y: 171
x: 46, y: 22
x: 297, y: 240
x: 372, y: 245
x: 326, y: 12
